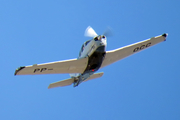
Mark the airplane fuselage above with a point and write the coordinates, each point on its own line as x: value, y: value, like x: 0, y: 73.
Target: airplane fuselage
x: 95, y: 50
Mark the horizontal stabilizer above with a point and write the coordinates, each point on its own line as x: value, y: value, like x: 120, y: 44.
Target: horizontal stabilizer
x: 71, y: 80
x: 61, y: 83
x: 94, y: 76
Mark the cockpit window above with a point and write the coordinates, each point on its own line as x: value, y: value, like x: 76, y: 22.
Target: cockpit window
x: 87, y: 42
x: 82, y: 48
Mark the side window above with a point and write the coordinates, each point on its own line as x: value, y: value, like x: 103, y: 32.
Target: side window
x: 87, y: 42
x: 82, y: 48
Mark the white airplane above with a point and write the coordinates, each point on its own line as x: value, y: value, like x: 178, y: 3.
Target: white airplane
x: 92, y: 57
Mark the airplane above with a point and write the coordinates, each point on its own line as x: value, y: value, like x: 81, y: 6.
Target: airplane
x: 92, y: 57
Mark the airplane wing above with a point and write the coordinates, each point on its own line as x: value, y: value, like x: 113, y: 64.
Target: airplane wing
x: 66, y: 66
x: 123, y: 52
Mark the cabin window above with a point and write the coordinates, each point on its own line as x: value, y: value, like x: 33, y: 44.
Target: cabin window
x: 82, y: 48
x: 87, y: 42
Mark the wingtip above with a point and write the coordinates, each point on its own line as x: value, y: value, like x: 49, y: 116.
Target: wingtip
x: 165, y: 34
x: 49, y: 87
x: 17, y: 70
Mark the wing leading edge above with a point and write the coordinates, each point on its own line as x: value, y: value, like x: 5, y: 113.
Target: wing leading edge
x: 66, y: 66
x: 123, y: 52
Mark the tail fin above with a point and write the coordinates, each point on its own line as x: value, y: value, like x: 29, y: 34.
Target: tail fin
x: 71, y: 80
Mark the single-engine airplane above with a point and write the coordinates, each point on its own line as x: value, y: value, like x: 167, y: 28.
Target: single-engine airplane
x: 92, y: 57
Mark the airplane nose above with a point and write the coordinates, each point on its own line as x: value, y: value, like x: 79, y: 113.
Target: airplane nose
x: 103, y: 41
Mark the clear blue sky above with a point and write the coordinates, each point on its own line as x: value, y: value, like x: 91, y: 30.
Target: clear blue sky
x: 145, y: 86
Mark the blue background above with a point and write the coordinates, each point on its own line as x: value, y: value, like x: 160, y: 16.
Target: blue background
x: 145, y: 86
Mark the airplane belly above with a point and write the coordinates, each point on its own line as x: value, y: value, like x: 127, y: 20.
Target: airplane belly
x: 95, y: 59
x: 94, y: 63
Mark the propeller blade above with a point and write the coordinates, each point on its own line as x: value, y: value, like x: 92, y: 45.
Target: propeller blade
x: 108, y: 32
x: 89, y: 32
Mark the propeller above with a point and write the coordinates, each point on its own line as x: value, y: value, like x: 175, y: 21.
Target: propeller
x: 108, y: 32
x: 89, y: 32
